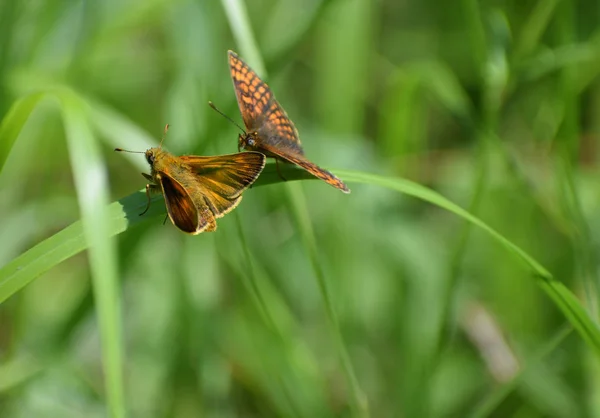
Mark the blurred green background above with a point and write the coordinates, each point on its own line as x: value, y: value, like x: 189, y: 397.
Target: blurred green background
x: 306, y: 302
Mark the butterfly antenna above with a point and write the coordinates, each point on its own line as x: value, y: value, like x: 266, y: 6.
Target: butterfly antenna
x: 211, y: 104
x: 163, y: 135
x: 125, y: 150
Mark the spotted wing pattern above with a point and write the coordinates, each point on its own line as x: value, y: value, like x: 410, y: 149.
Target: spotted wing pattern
x: 253, y: 95
x: 276, y: 134
x: 260, y: 110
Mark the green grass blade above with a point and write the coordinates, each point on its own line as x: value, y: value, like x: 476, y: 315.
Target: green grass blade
x: 298, y: 205
x: 474, y: 23
x: 343, y: 55
x: 237, y: 15
x: 13, y: 123
x: 123, y: 215
x: 564, y: 299
x: 250, y: 280
x: 91, y: 183
x: 533, y: 29
x: 240, y: 24
x: 568, y: 143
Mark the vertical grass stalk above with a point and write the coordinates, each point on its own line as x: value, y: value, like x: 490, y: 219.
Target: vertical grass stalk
x: 91, y: 183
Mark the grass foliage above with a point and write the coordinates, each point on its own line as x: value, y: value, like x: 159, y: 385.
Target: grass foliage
x: 459, y: 278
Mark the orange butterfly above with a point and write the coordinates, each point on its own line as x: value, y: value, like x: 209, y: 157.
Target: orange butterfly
x: 269, y: 129
x: 198, y: 190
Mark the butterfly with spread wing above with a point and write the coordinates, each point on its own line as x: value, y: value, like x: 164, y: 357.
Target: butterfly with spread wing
x: 269, y: 130
x: 199, y: 190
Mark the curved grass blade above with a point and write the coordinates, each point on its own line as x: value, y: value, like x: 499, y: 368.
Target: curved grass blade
x: 564, y: 299
x: 123, y: 215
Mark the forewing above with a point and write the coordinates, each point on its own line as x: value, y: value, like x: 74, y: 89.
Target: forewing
x: 312, y: 168
x: 260, y: 110
x: 226, y: 175
x: 278, y: 130
x: 181, y: 209
x: 253, y: 95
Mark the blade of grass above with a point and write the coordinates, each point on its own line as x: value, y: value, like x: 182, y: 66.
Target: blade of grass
x: 298, y: 206
x: 13, y: 123
x: 273, y: 317
x: 343, y: 55
x: 250, y: 281
x: 279, y: 52
x: 124, y: 215
x: 564, y: 299
x: 240, y: 25
x: 118, y: 131
x: 493, y: 70
x: 568, y: 146
x: 91, y: 183
x: 535, y: 26
x: 478, y: 37
x: 237, y: 15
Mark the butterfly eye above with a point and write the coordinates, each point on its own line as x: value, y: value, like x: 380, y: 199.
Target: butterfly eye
x: 250, y: 140
x: 150, y: 158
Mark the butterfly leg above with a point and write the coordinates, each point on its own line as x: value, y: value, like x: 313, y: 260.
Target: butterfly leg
x: 278, y: 170
x: 149, y: 189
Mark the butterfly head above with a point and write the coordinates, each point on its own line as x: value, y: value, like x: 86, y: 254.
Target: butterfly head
x: 248, y: 141
x: 150, y: 157
x: 156, y: 158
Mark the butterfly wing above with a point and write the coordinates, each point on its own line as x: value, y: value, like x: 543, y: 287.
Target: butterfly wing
x: 253, y: 95
x: 185, y: 215
x: 223, y: 178
x: 260, y: 110
x: 276, y: 135
x: 227, y: 175
x: 312, y: 168
x: 277, y: 130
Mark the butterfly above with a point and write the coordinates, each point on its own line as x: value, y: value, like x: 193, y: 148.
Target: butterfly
x: 269, y: 130
x: 198, y: 190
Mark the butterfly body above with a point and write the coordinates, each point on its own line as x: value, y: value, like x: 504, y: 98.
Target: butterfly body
x: 198, y: 190
x: 252, y: 142
x: 269, y: 129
